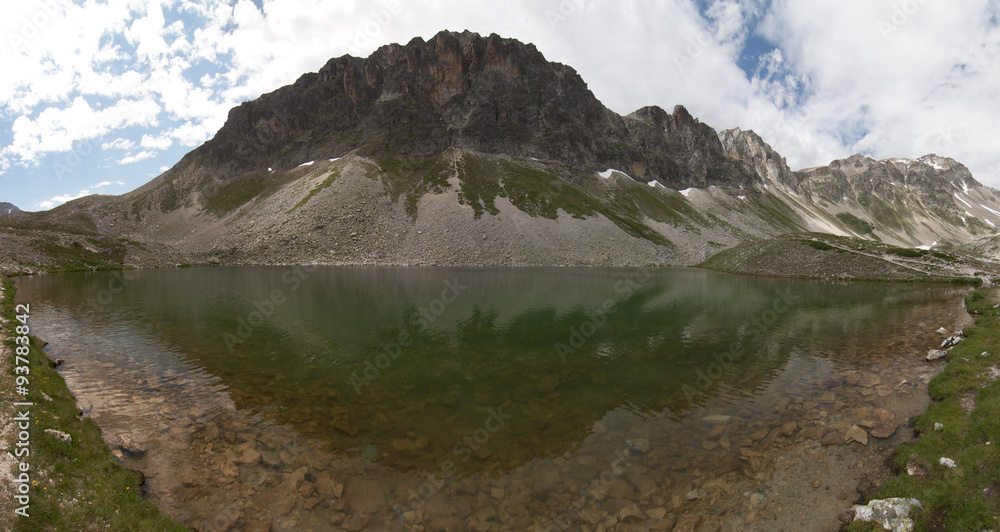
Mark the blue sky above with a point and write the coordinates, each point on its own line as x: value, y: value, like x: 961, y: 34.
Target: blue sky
x: 100, y: 96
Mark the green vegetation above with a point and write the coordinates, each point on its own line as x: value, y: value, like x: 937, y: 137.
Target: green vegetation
x: 856, y: 224
x: 414, y: 178
x: 237, y: 191
x: 540, y: 193
x: 966, y: 402
x: 819, y: 244
x: 316, y: 190
x: 79, y: 485
x: 906, y: 252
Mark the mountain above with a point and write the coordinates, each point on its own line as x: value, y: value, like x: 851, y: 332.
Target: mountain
x: 475, y: 150
x: 7, y: 208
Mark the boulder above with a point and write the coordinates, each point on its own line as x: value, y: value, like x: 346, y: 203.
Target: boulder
x: 936, y: 354
x: 892, y: 514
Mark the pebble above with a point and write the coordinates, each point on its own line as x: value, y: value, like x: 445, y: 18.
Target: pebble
x: 947, y: 462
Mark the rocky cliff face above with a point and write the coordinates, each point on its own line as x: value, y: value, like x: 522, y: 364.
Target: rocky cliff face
x: 747, y: 146
x: 462, y: 90
x: 476, y: 150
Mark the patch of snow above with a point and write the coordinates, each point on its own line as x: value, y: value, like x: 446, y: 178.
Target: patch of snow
x: 967, y: 204
x: 335, y: 159
x: 989, y: 209
x: 305, y: 164
x: 607, y: 173
x: 925, y: 248
x: 654, y: 183
x: 686, y: 191
x: 970, y: 215
x: 965, y: 188
x: 742, y: 197
x: 987, y: 220
x: 269, y: 169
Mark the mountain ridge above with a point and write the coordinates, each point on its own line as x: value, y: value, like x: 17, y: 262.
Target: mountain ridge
x: 474, y: 150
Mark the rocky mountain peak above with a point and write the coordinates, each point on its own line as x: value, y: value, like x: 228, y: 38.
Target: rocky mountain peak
x: 7, y: 208
x: 486, y: 94
x: 749, y: 147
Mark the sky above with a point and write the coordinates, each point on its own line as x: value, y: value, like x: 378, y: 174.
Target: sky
x: 101, y: 96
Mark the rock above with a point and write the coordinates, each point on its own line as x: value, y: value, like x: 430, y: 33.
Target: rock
x: 856, y: 433
x: 547, y: 384
x: 882, y: 414
x: 847, y: 516
x: 696, y: 494
x: 942, y: 330
x: 827, y: 398
x: 788, y: 428
x: 916, y: 469
x: 884, y: 390
x: 892, y: 514
x: 688, y: 523
x: 346, y: 427
x: 936, y: 354
x: 249, y: 456
x: 60, y: 435
x: 884, y: 429
x: 628, y: 510
x: 715, y: 419
x: 657, y: 513
x: 444, y: 524
x: 364, y: 496
x: 947, y: 462
x: 638, y: 445
x: 662, y: 523
x: 643, y: 485
x: 832, y: 438
x: 951, y: 341
x: 938, y: 426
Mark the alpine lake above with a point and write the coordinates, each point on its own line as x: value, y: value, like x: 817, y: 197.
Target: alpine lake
x: 395, y: 398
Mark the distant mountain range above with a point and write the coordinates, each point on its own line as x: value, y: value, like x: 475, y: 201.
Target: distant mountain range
x: 7, y: 208
x: 475, y: 150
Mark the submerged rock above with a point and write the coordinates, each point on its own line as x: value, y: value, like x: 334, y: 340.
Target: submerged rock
x: 856, y: 433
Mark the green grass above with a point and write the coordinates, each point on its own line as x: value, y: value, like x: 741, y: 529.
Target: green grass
x: 906, y: 252
x: 316, y: 190
x: 819, y: 244
x: 968, y: 496
x: 856, y: 224
x: 76, y: 486
x: 414, y: 178
x: 237, y: 191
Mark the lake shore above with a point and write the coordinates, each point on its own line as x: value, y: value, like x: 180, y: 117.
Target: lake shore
x: 769, y: 479
x: 76, y: 483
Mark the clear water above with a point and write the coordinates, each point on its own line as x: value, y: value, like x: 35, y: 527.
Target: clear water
x: 383, y: 381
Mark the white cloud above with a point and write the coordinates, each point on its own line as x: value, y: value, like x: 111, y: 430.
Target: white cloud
x: 59, y: 200
x: 161, y: 142
x: 102, y: 184
x: 118, y: 144
x: 141, y: 156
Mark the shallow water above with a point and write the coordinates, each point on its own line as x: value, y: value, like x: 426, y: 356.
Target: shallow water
x: 490, y: 399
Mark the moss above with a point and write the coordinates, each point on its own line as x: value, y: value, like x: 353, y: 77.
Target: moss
x: 413, y: 178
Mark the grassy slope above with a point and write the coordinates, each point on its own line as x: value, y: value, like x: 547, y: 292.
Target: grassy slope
x: 823, y: 256
x: 968, y: 496
x: 77, y: 486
